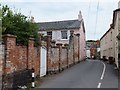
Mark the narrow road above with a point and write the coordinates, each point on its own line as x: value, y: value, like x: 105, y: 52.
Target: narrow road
x: 87, y: 74
x: 0, y: 82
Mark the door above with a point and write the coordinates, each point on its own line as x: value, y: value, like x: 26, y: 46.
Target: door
x: 43, y: 59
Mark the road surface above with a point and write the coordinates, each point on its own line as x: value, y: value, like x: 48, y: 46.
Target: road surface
x: 87, y: 74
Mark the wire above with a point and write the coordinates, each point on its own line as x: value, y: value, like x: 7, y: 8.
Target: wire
x: 96, y: 20
x: 87, y: 23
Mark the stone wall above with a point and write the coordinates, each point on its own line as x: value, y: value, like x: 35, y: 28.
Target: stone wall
x: 61, y: 56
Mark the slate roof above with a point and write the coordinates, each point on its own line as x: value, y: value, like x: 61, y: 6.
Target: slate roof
x: 57, y: 25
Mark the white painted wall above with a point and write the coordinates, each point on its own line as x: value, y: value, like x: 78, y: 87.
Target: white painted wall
x: 56, y: 35
x: 88, y: 53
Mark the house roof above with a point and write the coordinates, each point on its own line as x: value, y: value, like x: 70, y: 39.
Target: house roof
x: 115, y: 16
x: 106, y: 33
x: 113, y: 21
x: 57, y: 25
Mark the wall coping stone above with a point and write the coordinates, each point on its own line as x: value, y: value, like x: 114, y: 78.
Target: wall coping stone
x: 31, y: 39
x: 59, y: 44
x: 9, y: 35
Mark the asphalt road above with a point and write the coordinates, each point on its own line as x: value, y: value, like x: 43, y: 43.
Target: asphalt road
x: 87, y: 74
x: 0, y: 82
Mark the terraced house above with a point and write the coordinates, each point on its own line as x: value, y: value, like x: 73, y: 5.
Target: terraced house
x: 60, y: 31
x: 109, y: 42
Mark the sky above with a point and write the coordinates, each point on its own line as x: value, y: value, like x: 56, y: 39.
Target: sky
x: 97, y: 14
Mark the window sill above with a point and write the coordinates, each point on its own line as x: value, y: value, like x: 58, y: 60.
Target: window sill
x: 64, y: 39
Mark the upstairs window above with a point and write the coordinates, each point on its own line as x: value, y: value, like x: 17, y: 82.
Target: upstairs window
x: 64, y: 35
x: 49, y: 34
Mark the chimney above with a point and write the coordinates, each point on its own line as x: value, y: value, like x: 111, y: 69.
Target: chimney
x: 118, y: 4
x: 80, y: 16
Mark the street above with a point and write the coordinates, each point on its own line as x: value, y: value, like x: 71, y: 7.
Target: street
x: 87, y: 74
x: 0, y: 83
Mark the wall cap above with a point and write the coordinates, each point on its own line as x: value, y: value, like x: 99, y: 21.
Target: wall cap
x: 31, y: 39
x: 9, y: 35
x: 59, y: 44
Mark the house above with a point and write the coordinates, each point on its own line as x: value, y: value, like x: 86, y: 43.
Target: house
x: 92, y: 48
x: 60, y: 31
x: 109, y: 41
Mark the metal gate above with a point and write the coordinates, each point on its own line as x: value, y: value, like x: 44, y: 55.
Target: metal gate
x: 43, y: 65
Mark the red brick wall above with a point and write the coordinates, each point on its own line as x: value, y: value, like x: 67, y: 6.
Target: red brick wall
x: 21, y: 57
x: 93, y: 52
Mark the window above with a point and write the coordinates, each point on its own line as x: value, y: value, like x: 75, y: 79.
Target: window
x: 64, y: 35
x: 111, y: 36
x: 49, y: 34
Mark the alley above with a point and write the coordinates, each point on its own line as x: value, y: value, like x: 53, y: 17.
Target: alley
x: 88, y: 74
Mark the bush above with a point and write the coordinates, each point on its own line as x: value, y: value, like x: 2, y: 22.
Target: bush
x: 18, y: 24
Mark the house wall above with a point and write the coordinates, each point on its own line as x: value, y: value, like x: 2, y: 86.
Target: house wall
x: 116, y: 32
x: 82, y: 42
x: 56, y: 35
x: 107, y: 45
x: 110, y: 48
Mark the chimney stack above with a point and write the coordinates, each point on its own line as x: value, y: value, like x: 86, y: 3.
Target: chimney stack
x: 80, y: 16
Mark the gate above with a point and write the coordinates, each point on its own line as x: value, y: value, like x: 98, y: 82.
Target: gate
x: 43, y: 59
x: 1, y: 62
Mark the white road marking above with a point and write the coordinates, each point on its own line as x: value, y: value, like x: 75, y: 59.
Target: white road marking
x: 103, y: 69
x: 103, y: 73
x: 99, y: 85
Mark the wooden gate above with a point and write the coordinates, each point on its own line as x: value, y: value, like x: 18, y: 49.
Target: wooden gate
x: 43, y: 61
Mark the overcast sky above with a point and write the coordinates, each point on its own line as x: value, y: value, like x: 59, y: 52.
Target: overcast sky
x: 57, y: 10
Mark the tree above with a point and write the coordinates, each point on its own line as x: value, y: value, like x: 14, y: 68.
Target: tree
x: 18, y: 24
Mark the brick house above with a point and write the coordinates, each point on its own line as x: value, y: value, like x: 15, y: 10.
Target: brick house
x: 60, y: 31
x: 93, y: 48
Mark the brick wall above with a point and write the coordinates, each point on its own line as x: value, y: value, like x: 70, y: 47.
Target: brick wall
x: 61, y: 56
x: 19, y: 58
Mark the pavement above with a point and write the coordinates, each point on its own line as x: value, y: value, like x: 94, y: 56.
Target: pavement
x: 86, y: 74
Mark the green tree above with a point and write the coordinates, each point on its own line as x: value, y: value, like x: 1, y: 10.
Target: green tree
x: 18, y: 24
